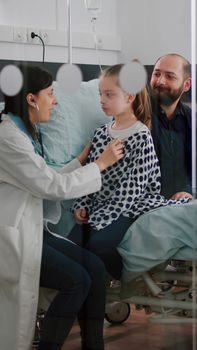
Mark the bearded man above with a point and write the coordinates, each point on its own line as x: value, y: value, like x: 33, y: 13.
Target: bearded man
x: 171, y: 124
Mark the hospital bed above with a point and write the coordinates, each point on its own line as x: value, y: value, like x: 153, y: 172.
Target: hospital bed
x: 166, y: 295
x: 159, y: 250
x: 160, y: 269
x: 159, y: 254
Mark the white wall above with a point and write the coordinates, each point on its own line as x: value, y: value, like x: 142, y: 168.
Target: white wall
x: 147, y: 28
x: 51, y: 15
x: 150, y: 28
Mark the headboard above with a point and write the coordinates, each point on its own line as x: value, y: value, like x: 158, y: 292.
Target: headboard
x: 89, y: 71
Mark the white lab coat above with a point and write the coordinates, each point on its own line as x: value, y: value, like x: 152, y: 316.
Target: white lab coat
x: 25, y: 180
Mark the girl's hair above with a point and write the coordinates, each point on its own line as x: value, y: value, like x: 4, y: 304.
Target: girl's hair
x: 35, y: 79
x: 141, y: 105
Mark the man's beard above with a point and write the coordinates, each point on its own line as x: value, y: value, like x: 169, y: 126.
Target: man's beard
x: 166, y: 97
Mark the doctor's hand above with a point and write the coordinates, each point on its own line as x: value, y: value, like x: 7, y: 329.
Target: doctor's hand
x: 81, y: 216
x: 84, y: 154
x: 113, y: 152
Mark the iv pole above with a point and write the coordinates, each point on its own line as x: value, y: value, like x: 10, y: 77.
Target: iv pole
x: 69, y: 32
x: 194, y: 125
x: 69, y: 75
x: 193, y: 66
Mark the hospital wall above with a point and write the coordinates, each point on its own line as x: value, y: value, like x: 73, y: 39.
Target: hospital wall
x: 50, y: 16
x: 151, y: 28
x: 126, y: 29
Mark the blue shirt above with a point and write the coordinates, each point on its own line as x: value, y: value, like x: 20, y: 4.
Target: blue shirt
x: 172, y: 141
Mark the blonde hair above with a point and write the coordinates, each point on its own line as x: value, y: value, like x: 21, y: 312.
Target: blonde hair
x: 141, y: 105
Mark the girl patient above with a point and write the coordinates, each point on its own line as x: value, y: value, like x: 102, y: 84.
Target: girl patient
x: 130, y: 187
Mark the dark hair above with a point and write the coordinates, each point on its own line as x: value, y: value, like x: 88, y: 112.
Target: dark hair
x: 141, y: 104
x: 35, y: 79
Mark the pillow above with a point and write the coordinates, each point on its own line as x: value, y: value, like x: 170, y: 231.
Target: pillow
x: 72, y: 123
x: 69, y: 129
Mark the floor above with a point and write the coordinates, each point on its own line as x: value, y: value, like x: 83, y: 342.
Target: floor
x: 138, y: 333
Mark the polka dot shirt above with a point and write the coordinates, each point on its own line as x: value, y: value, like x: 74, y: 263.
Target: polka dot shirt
x: 130, y: 187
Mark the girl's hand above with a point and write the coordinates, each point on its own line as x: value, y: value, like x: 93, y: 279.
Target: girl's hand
x: 113, y: 152
x: 81, y: 216
x: 84, y: 154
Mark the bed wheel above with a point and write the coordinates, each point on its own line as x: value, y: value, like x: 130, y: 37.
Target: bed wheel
x: 118, y: 312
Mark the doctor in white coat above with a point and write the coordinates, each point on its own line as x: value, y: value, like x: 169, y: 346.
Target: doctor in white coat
x: 28, y: 261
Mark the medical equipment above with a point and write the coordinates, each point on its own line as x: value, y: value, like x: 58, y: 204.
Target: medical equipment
x: 159, y: 274
x: 166, y: 295
x: 93, y: 8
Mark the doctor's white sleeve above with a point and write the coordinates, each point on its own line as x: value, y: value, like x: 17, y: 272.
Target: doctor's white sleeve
x: 22, y: 167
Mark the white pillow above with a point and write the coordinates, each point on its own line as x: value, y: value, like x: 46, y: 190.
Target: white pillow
x: 69, y: 129
x: 72, y: 123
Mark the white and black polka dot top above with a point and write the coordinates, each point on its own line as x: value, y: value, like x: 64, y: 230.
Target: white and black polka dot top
x: 131, y: 187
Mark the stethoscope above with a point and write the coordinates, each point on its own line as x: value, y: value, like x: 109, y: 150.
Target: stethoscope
x: 41, y: 144
x: 39, y: 139
x: 39, y: 134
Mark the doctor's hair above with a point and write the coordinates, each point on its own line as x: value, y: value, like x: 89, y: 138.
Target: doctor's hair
x: 35, y: 79
x: 141, y: 105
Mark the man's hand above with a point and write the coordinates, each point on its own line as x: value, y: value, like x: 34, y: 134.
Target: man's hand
x: 180, y: 195
x: 81, y: 216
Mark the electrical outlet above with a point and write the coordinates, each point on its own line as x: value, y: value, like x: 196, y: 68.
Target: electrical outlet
x: 44, y: 34
x: 31, y: 40
x: 19, y: 34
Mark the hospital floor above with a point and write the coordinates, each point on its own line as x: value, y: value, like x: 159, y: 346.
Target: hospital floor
x: 138, y: 333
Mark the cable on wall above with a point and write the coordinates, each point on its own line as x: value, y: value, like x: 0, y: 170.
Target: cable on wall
x: 34, y: 35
